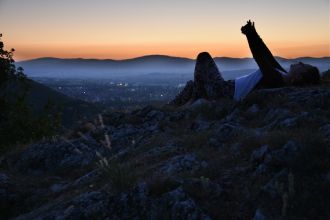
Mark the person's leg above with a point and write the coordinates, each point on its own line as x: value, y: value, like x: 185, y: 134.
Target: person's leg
x: 208, y: 82
x: 207, y: 78
x: 205, y: 69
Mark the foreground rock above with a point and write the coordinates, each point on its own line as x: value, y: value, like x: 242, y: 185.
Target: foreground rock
x: 264, y: 158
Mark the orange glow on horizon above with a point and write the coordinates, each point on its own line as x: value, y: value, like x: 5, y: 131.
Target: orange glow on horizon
x: 118, y: 52
x: 111, y: 29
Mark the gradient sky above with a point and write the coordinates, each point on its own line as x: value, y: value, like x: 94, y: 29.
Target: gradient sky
x: 120, y: 29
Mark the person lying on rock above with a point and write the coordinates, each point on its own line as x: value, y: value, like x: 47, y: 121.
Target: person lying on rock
x: 209, y: 84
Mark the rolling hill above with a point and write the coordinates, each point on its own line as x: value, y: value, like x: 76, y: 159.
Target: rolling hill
x: 152, y: 64
x: 72, y: 110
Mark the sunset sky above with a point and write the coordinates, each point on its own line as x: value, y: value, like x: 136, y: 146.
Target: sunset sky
x: 118, y: 29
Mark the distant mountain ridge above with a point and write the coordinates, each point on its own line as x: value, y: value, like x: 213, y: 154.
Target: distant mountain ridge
x: 109, y: 68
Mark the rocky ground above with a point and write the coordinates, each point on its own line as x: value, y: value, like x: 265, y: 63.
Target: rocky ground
x: 264, y: 158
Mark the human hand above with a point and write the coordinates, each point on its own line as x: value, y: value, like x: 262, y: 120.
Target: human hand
x: 248, y: 28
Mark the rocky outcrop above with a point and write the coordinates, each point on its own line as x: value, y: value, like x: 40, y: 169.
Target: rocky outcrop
x: 264, y: 158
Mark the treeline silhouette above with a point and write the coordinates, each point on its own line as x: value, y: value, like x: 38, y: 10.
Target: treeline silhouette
x: 19, y: 124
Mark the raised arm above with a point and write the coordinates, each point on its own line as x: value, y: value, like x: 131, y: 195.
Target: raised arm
x: 260, y: 51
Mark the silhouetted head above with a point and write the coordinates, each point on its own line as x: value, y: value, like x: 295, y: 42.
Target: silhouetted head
x: 301, y: 74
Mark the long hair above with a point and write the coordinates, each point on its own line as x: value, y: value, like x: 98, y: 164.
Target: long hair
x: 310, y: 76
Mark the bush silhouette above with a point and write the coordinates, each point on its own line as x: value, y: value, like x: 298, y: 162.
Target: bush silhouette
x: 18, y: 124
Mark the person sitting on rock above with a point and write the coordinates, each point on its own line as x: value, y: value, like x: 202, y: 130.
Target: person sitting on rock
x: 209, y: 84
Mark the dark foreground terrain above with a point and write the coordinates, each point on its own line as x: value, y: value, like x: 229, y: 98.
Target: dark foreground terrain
x: 264, y: 158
